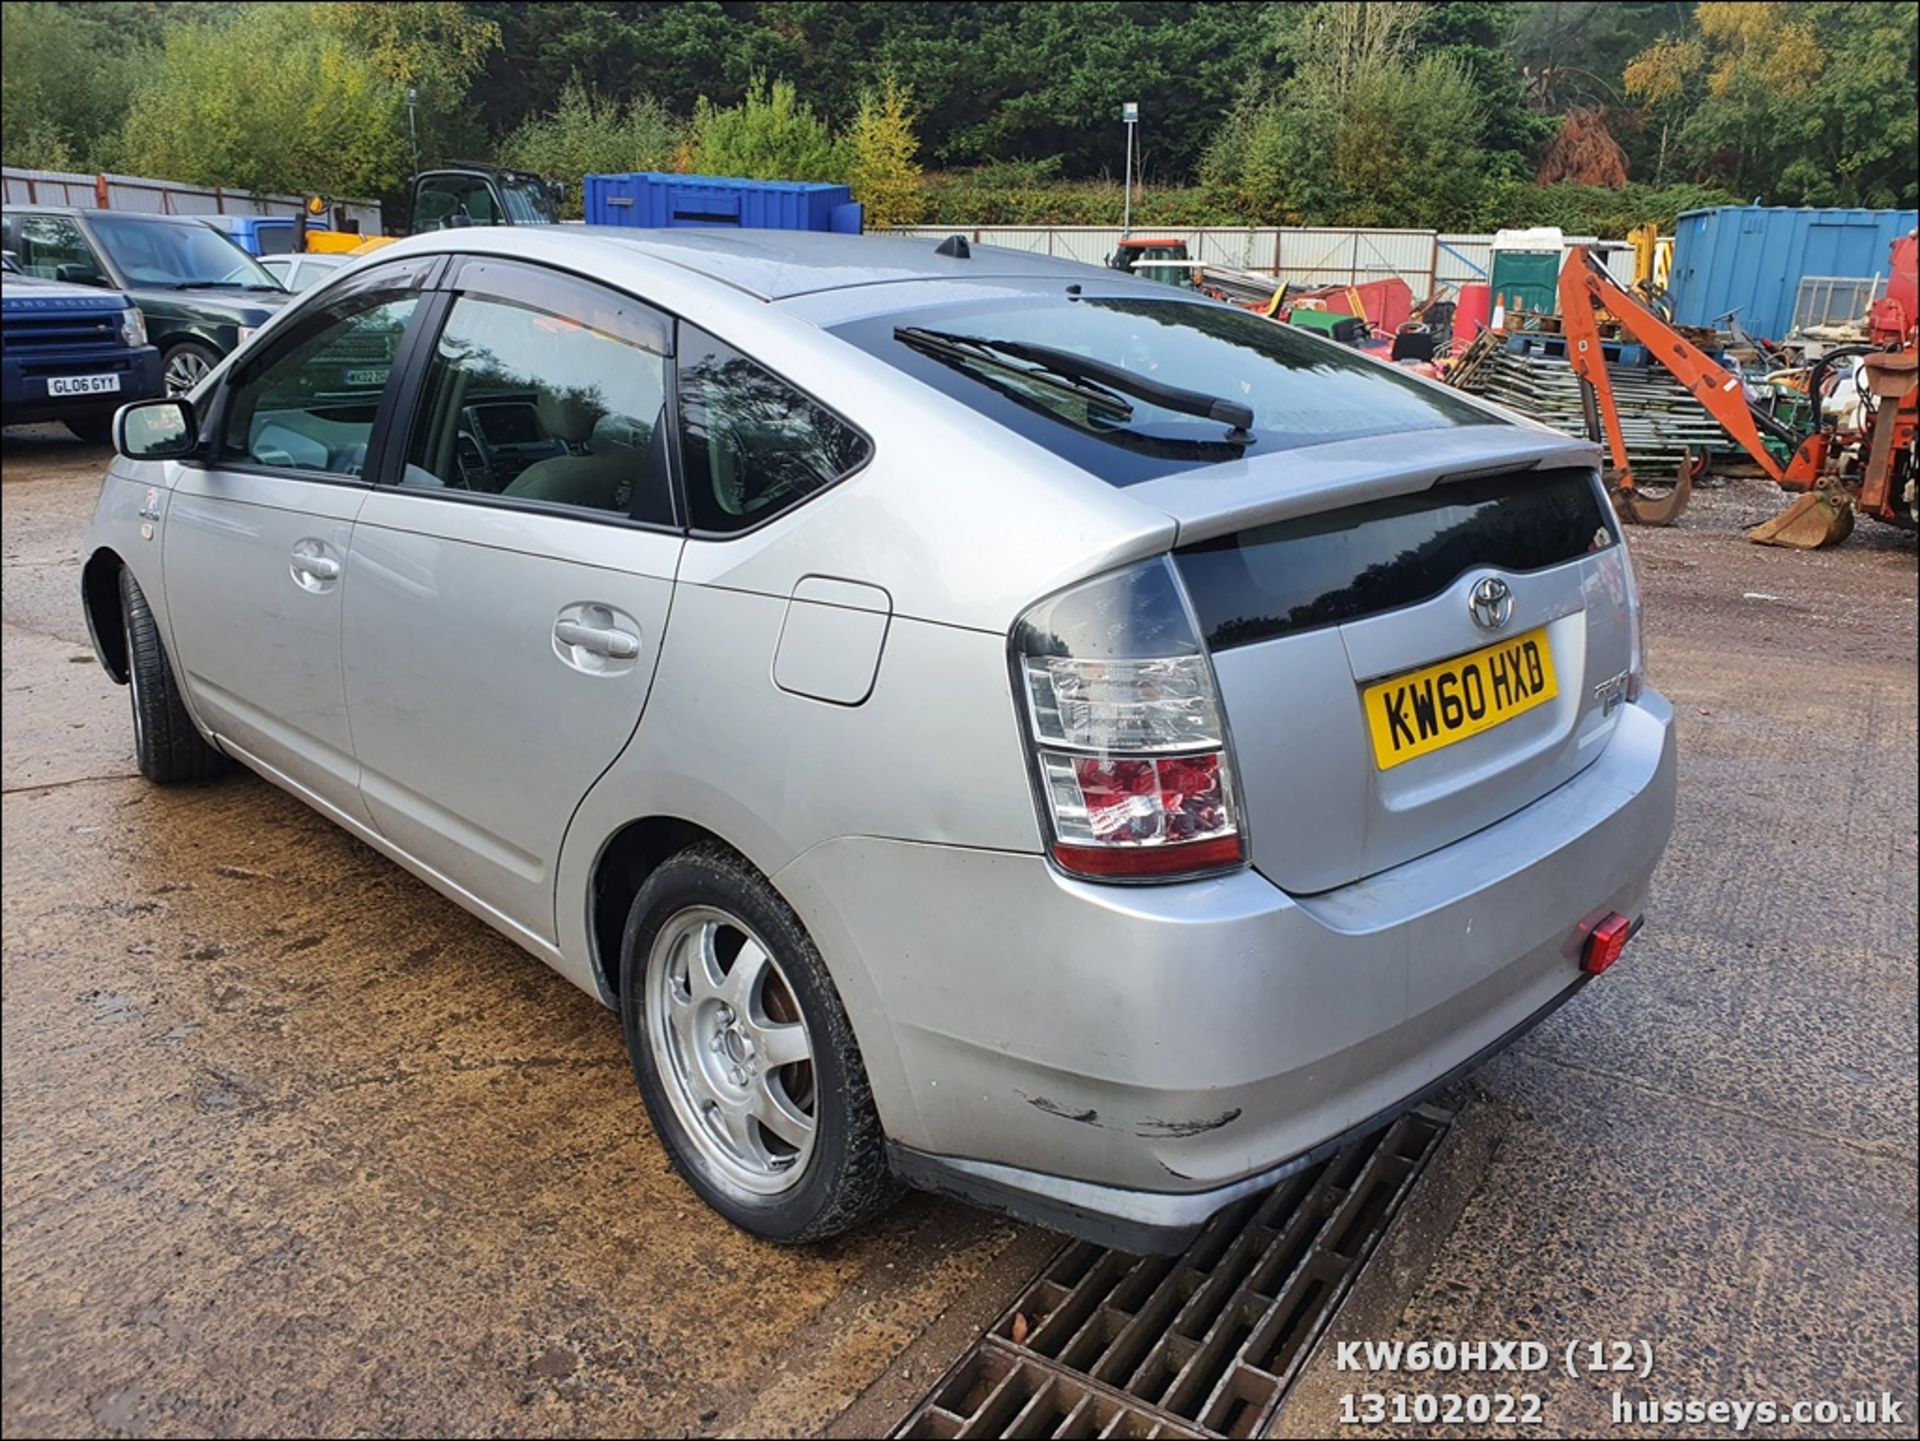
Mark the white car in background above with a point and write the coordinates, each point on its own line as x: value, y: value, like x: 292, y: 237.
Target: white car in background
x: 302, y: 272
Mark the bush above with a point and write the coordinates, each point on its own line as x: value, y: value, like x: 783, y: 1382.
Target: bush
x: 769, y: 135
x: 1590, y: 209
x: 588, y: 134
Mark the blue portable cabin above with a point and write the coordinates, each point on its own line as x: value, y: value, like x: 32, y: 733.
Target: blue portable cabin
x: 1753, y: 257
x: 655, y: 200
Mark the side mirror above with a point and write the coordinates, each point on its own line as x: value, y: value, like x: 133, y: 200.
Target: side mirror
x: 78, y: 275
x: 155, y: 430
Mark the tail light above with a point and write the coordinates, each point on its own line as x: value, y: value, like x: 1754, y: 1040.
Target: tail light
x: 1130, y: 748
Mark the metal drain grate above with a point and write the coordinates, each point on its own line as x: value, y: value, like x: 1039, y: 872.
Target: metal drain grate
x: 1201, y: 1344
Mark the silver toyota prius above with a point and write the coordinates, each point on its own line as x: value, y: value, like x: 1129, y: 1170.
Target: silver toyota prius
x: 985, y: 723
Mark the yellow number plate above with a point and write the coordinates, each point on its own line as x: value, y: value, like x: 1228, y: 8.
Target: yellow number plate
x: 1424, y: 710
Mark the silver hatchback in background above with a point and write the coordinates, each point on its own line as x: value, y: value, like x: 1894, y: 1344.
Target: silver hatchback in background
x: 985, y: 723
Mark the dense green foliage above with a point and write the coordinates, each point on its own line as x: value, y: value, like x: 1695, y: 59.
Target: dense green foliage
x: 589, y: 134
x: 1396, y: 112
x: 276, y: 99
x: 770, y: 133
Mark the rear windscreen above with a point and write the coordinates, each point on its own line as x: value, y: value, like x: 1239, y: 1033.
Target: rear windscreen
x: 1341, y: 565
x: 1303, y: 390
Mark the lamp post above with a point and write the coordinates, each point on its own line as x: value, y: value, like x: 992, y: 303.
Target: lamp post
x: 413, y: 134
x: 1129, y: 112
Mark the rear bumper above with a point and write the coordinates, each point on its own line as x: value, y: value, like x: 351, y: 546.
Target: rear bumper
x: 1156, y: 1223
x: 1124, y: 1061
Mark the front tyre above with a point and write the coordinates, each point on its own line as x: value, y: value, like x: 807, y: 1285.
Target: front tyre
x: 185, y: 365
x: 744, y: 1055
x: 166, y: 743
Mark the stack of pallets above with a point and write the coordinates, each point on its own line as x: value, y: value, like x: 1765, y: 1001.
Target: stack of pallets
x: 1660, y: 420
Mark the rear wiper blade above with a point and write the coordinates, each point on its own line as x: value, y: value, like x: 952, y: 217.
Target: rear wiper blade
x: 971, y: 350
x: 1234, y: 414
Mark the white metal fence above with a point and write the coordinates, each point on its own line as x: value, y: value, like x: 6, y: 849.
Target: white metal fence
x: 1427, y: 260
x: 162, y: 197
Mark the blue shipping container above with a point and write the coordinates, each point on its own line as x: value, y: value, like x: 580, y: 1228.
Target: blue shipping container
x: 1752, y: 257
x: 652, y: 200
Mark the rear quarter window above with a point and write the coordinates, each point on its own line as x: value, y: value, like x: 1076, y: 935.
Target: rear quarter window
x: 1303, y: 390
x: 752, y: 445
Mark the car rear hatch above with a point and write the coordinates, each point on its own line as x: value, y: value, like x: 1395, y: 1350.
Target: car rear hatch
x: 1413, y: 638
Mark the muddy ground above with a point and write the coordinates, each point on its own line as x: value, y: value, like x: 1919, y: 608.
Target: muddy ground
x: 294, y: 1146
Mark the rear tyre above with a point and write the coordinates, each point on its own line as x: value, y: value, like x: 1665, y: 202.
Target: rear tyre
x: 93, y: 429
x: 744, y: 1055
x: 165, y: 741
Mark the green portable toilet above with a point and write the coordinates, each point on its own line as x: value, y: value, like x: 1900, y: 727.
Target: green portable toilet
x: 1526, y: 269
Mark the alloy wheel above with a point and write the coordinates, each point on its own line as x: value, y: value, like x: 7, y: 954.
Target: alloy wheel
x: 185, y: 369
x: 733, y: 1051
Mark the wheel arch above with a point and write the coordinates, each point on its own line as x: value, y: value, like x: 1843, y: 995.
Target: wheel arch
x: 100, y: 599
x: 626, y: 859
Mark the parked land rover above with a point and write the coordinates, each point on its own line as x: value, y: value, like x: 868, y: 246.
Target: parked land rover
x: 71, y: 353
x: 984, y: 722
x: 201, y: 293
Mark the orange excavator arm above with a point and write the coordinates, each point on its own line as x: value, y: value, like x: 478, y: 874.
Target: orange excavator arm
x: 1586, y: 289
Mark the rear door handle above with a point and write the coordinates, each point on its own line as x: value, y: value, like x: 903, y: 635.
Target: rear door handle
x: 613, y: 643
x: 320, y: 567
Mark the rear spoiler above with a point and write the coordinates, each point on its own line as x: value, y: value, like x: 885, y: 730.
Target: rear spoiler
x: 1220, y: 499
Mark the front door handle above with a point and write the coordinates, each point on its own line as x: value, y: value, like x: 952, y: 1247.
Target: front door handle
x: 320, y: 567
x: 612, y: 643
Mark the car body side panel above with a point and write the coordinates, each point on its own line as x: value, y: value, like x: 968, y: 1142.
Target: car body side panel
x: 256, y: 640
x: 128, y: 519
x: 931, y: 755
x: 476, y: 729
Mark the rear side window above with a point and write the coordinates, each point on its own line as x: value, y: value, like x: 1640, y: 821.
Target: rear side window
x: 564, y: 405
x: 1302, y: 390
x: 1339, y: 566
x: 752, y: 445
x: 47, y: 244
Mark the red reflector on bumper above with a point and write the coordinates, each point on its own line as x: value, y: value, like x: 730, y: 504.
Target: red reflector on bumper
x: 1605, y: 943
x: 1163, y: 862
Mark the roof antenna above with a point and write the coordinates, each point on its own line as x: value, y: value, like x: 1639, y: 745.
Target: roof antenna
x: 954, y: 247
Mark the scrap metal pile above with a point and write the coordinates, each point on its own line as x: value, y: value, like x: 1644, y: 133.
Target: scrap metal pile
x: 1664, y: 425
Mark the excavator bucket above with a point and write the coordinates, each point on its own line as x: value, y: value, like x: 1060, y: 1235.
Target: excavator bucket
x: 1818, y: 518
x: 1636, y: 505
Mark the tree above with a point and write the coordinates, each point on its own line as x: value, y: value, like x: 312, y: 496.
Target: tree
x: 266, y: 101
x: 1584, y: 152
x: 883, y: 171
x: 65, y: 75
x: 588, y: 134
x: 1364, y: 135
x: 435, y: 48
x: 770, y: 135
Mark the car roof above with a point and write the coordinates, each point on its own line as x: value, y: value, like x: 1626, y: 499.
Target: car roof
x: 87, y: 212
x: 779, y: 264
